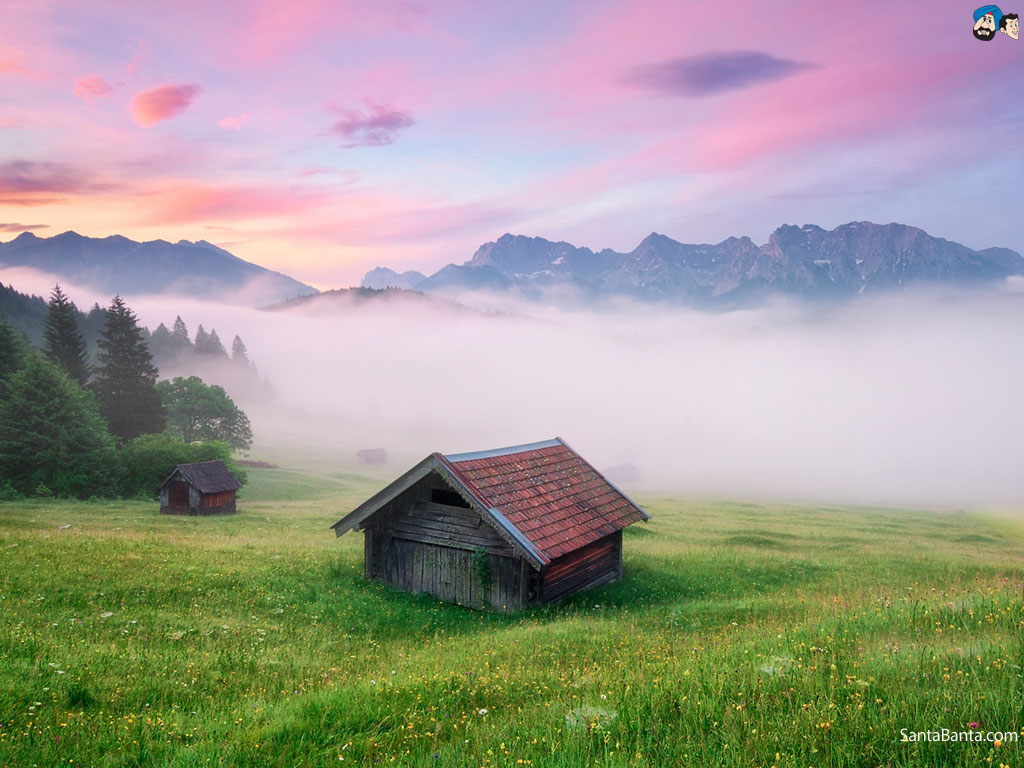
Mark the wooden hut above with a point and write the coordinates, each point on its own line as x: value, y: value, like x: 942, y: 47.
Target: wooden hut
x: 502, y: 529
x: 372, y: 455
x: 206, y: 488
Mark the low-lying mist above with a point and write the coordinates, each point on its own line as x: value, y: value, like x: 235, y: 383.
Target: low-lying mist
x: 913, y: 399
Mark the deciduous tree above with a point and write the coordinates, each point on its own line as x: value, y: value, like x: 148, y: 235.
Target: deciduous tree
x: 198, y: 411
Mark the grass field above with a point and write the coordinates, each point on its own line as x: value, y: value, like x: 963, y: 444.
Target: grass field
x: 741, y: 635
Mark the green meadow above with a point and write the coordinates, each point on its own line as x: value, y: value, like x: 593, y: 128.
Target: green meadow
x: 741, y: 635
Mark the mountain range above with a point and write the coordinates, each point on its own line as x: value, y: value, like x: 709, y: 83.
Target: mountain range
x: 807, y: 262
x: 116, y: 264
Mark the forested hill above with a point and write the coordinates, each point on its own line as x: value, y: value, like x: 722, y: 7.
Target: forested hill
x: 27, y: 315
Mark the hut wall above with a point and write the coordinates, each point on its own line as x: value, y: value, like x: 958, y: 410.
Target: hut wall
x: 590, y: 566
x: 217, y: 503
x: 423, y: 545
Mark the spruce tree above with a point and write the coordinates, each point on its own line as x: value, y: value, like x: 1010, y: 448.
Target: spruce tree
x: 12, y: 351
x: 239, y: 354
x: 180, y: 330
x: 63, y: 340
x: 202, y: 341
x: 179, y: 344
x: 209, y: 343
x: 52, y: 434
x: 162, y: 346
x: 216, y: 348
x: 126, y: 377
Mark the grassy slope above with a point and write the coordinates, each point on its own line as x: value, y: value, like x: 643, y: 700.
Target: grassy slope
x: 742, y: 635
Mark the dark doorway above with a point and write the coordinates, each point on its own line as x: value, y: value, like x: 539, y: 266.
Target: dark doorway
x: 177, y: 495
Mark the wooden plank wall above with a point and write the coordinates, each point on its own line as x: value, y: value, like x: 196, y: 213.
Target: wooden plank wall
x: 447, y: 573
x: 421, y: 546
x: 218, y: 499
x: 591, y: 566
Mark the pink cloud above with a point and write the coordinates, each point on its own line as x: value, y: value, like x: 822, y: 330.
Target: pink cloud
x: 166, y: 101
x: 187, y: 202
x: 91, y: 87
x: 31, y: 201
x: 377, y: 127
x: 11, y: 66
x: 232, y: 123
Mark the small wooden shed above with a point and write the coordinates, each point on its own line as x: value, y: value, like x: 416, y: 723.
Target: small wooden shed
x: 499, y: 529
x: 205, y: 488
x: 372, y: 455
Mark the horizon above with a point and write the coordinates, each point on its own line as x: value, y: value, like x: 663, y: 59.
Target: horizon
x: 322, y: 141
x: 336, y: 287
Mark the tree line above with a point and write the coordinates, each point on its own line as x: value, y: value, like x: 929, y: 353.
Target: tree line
x: 70, y: 428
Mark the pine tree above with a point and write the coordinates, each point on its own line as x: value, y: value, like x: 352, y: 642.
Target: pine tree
x: 211, y: 345
x: 202, y: 341
x: 12, y: 352
x: 64, y: 343
x: 239, y: 354
x: 52, y: 434
x: 180, y: 346
x: 160, y: 345
x: 180, y: 330
x: 126, y: 377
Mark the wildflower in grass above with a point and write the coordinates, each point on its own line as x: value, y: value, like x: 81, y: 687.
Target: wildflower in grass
x: 972, y: 725
x: 483, y: 711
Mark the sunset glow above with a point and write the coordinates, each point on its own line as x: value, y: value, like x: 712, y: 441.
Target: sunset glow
x: 324, y: 138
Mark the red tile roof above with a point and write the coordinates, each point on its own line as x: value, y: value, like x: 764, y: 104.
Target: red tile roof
x: 548, y: 492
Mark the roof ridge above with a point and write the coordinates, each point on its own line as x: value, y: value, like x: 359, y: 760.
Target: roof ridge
x: 506, y: 451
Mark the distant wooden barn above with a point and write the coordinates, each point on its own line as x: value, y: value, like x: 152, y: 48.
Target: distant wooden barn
x: 206, y: 488
x: 502, y: 529
x: 372, y: 455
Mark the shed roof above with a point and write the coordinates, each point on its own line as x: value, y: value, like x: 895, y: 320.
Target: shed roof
x: 546, y: 496
x: 207, y: 476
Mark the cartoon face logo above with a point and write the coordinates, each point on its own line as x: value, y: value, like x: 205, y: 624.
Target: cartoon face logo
x: 1010, y: 25
x: 986, y: 22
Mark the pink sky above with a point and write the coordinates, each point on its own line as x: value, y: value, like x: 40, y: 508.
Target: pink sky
x: 322, y: 138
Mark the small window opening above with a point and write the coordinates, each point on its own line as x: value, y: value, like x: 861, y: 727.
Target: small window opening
x: 450, y: 498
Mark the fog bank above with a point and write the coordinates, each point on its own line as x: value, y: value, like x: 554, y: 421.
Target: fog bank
x: 892, y: 400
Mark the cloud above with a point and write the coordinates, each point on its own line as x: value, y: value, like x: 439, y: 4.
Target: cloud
x: 152, y: 106
x: 187, y: 202
x: 13, y: 67
x: 716, y: 72
x: 232, y: 123
x: 377, y: 127
x: 19, y: 177
x: 21, y: 227
x: 91, y: 87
